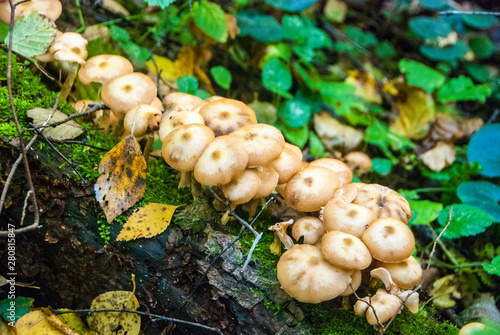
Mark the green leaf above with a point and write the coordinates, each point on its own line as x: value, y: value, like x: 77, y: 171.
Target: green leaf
x: 291, y: 5
x: 295, y: 113
x: 378, y: 134
x: 33, y: 35
x: 4, y: 30
x: 483, y: 195
x: 494, y: 267
x: 448, y: 53
x: 119, y: 34
x: 20, y: 305
x: 484, y: 148
x: 429, y: 28
x: 187, y: 84
x: 277, y: 78
x: 480, y: 21
x: 466, y: 221
x: 433, y: 4
x: 122, y: 37
x: 222, y: 76
x: 316, y: 147
x: 363, y: 38
x: 385, y: 50
x: 160, y: 3
x: 382, y: 166
x: 424, y: 212
x: 293, y: 28
x: 202, y: 94
x: 478, y: 72
x: 309, y: 97
x: 463, y: 88
x: 297, y: 136
x: 264, y: 28
x: 420, y: 75
x: 482, y: 46
x: 265, y: 111
x: 210, y: 18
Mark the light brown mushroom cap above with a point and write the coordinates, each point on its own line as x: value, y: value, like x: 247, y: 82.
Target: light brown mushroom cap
x: 309, y: 227
x: 385, y: 305
x: 49, y: 8
x: 405, y: 274
x: 181, y: 101
x: 295, y: 149
x: 361, y: 306
x: 308, y: 277
x: 358, y: 162
x: 342, y: 170
x: 242, y: 188
x: 125, y: 92
x: 410, y: 299
x: 384, y: 202
x: 213, y: 98
x: 348, y: 218
x: 223, y: 159
x: 475, y: 328
x: 69, y: 47
x: 287, y: 164
x: 389, y: 240
x: 182, y: 148
x: 142, y: 119
x: 157, y: 103
x: 311, y: 188
x: 224, y: 116
x: 355, y: 283
x: 262, y: 142
x: 347, y: 193
x: 102, y: 68
x: 345, y: 250
x: 268, y: 180
x: 176, y: 120
x: 82, y: 105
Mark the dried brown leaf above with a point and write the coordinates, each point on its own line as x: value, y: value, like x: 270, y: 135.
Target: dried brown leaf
x: 439, y: 157
x: 65, y: 131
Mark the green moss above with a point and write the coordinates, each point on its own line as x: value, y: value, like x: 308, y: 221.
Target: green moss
x: 195, y: 216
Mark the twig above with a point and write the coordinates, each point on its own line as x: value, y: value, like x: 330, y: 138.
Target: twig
x: 53, y: 140
x: 25, y: 206
x: 468, y: 12
x: 155, y: 316
x: 369, y: 303
x: 93, y: 108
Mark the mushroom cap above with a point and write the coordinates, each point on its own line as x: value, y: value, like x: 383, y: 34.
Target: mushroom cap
x: 262, y: 142
x: 389, y: 240
x: 49, y: 8
x: 102, y: 68
x: 347, y: 193
x: 223, y: 159
x: 358, y: 161
x: 157, y: 103
x: 178, y: 119
x: 181, y: 101
x: 348, y: 218
x: 182, y: 148
x: 308, y: 277
x: 384, y: 202
x: 475, y: 328
x: 295, y: 149
x: 385, y: 305
x: 345, y: 250
x: 310, y: 227
x: 224, y: 116
x: 287, y: 164
x: 142, y: 119
x: 242, y: 188
x: 405, y: 274
x: 213, y: 98
x: 356, y: 282
x: 342, y: 170
x: 123, y: 93
x: 268, y: 180
x: 69, y: 47
x: 311, y: 188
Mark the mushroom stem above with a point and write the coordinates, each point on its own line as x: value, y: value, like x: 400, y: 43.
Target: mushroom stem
x: 68, y: 83
x: 148, y: 147
x: 186, y: 177
x: 280, y: 229
x: 196, y: 189
x: 346, y: 304
x: 383, y: 275
x: 119, y: 125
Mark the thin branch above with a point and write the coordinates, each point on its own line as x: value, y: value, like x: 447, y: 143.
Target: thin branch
x: 93, y: 108
x: 25, y: 206
x: 468, y: 12
x: 53, y: 140
x: 155, y: 316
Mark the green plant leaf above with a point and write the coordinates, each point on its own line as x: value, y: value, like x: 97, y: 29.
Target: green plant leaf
x: 263, y: 28
x: 291, y: 6
x: 316, y: 147
x: 433, y: 4
x: 187, y: 84
x: 295, y: 113
x: 210, y: 18
x: 480, y: 21
x: 293, y: 28
x: 363, y: 38
x: 424, y: 212
x: 482, y: 46
x: 297, y: 136
x: 33, y: 35
x: 276, y: 77
x: 483, y: 195
x: 420, y: 75
x: 378, y: 134
x: 21, y: 307
x: 160, y: 3
x: 202, y: 94
x: 478, y: 72
x: 466, y: 221
x: 122, y: 37
x: 385, y: 50
x: 309, y: 97
x: 4, y: 30
x: 484, y: 148
x: 382, y: 166
x: 463, y: 88
x: 493, y: 268
x: 448, y: 53
x: 222, y: 76
x: 429, y: 28
x: 265, y: 111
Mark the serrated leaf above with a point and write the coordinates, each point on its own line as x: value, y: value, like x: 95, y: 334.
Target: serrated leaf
x: 424, y: 212
x: 116, y: 323
x: 123, y: 179
x: 463, y: 88
x: 420, y: 75
x: 483, y: 195
x: 33, y: 35
x: 484, y: 148
x: 493, y: 268
x: 222, y: 76
x: 147, y: 221
x: 160, y: 3
x: 210, y: 18
x: 264, y: 28
x: 466, y: 221
x: 65, y: 131
x: 295, y: 113
x: 276, y: 77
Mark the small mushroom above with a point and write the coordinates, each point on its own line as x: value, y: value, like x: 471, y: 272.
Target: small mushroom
x: 102, y: 68
x: 176, y: 120
x: 405, y: 274
x: 383, y: 305
x: 287, y: 164
x: 345, y: 250
x: 142, y: 120
x: 342, y: 170
x: 348, y: 218
x: 242, y: 188
x: 384, y: 202
x: 224, y: 116
x: 268, y: 180
x: 358, y: 162
x: 178, y: 101
x: 280, y: 231
x: 347, y: 193
x: 309, y: 227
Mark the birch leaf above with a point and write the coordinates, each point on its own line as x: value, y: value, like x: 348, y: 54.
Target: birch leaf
x: 65, y: 131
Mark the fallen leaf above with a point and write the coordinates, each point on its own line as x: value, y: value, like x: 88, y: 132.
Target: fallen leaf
x: 275, y: 247
x: 123, y: 178
x: 443, y: 290
x: 365, y: 84
x: 148, y: 221
x: 232, y: 26
x: 115, y: 323
x: 453, y: 127
x: 335, y: 135
x: 65, y: 131
x: 439, y: 157
x: 42, y: 322
x: 416, y: 113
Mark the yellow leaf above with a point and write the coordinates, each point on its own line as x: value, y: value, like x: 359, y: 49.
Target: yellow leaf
x: 65, y: 131
x: 443, y: 290
x: 75, y: 323
x: 416, y: 113
x: 365, y: 85
x: 148, y: 221
x: 42, y: 322
x: 123, y: 179
x: 171, y: 70
x: 115, y: 323
x: 276, y: 245
x: 335, y: 135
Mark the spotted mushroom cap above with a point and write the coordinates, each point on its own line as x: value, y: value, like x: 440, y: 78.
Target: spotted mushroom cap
x: 102, y: 68
x: 224, y: 116
x: 308, y: 277
x: 309, y: 227
x: 345, y: 250
x: 348, y: 218
x: 49, y: 8
x: 384, y: 202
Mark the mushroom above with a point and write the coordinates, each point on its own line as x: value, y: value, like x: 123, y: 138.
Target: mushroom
x: 383, y: 305
x: 354, y: 285
x: 384, y: 202
x: 287, y: 164
x: 309, y: 227
x: 224, y: 116
x: 345, y: 250
x: 405, y: 274
x: 348, y: 218
x: 342, y: 170
x: 408, y: 298
x: 178, y: 101
x: 242, y: 188
x: 142, y: 120
x: 347, y: 193
x: 280, y: 231
x: 102, y: 68
x: 305, y: 275
x: 176, y: 120
x: 268, y: 180
x: 358, y: 162
x: 49, y: 8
